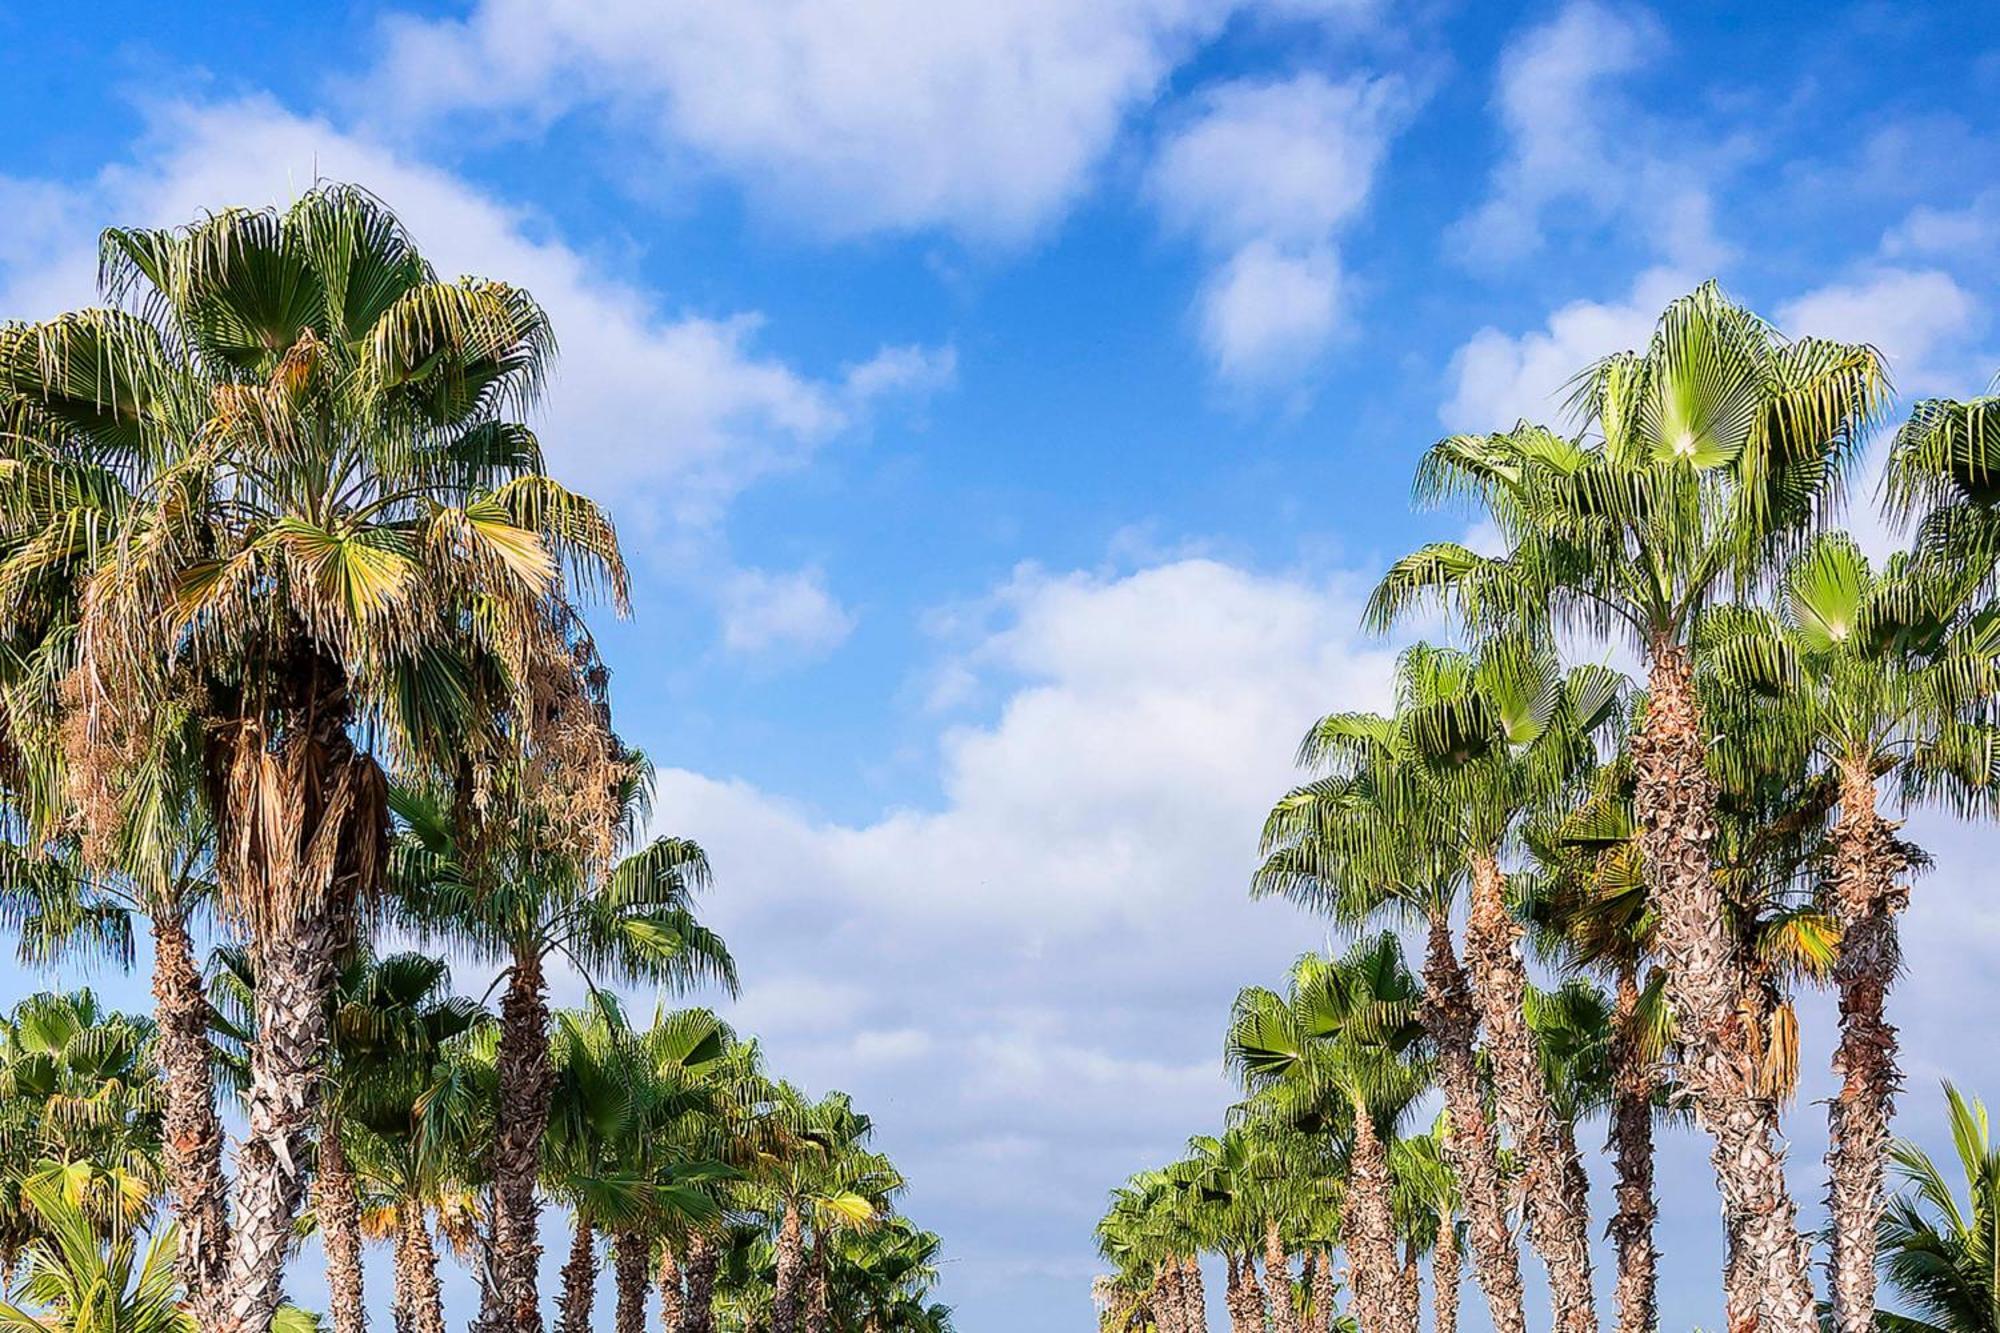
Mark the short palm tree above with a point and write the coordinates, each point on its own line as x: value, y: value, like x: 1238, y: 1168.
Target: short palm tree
x: 1427, y: 1209
x: 520, y: 904
x: 1873, y: 674
x: 1940, y: 1254
x: 85, y: 1279
x: 1702, y: 460
x: 80, y: 1104
x: 1343, y: 1051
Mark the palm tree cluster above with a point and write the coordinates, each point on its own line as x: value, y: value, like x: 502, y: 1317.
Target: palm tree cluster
x: 1619, y: 886
x: 294, y: 664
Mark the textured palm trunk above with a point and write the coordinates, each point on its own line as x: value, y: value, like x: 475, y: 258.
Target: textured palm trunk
x: 1444, y: 1279
x: 1194, y: 1298
x: 703, y: 1262
x: 190, y: 1130
x: 1253, y: 1295
x: 819, y: 1293
x: 1554, y: 1189
x: 1471, y: 1146
x: 673, y: 1292
x: 629, y: 1269
x: 1166, y: 1299
x: 579, y: 1280
x: 1632, y: 1150
x: 295, y: 971
x: 419, y: 1299
x: 786, y: 1294
x: 1278, y: 1277
x: 1867, y: 862
x: 1371, y: 1236
x: 339, y: 1211
x: 1409, y: 1286
x: 1675, y: 803
x: 1324, y: 1288
x: 511, y: 1303
x: 1232, y: 1293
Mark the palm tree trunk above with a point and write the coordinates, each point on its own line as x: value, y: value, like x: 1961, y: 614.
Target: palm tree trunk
x: 791, y: 1257
x: 1323, y: 1293
x: 703, y: 1262
x: 1409, y: 1286
x: 1194, y: 1298
x: 629, y: 1268
x: 419, y: 1300
x: 673, y: 1293
x: 190, y: 1130
x: 1444, y: 1278
x: 579, y: 1279
x: 511, y: 1303
x: 1232, y: 1293
x: 295, y: 972
x: 1371, y: 1235
x: 819, y: 1295
x: 1632, y: 1148
x: 1556, y: 1195
x: 1867, y: 861
x: 340, y: 1229
x: 1253, y: 1296
x: 1278, y: 1277
x: 1471, y: 1147
x: 1674, y: 799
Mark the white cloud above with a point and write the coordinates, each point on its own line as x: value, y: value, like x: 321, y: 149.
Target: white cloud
x: 1042, y: 959
x: 871, y: 114
x: 1918, y: 318
x: 1577, y: 142
x: 1499, y: 378
x: 790, y: 612
x: 1265, y: 176
x: 1971, y: 232
x: 660, y: 411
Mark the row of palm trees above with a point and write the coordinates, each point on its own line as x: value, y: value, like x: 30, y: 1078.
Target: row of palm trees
x: 677, y: 1155
x: 1699, y: 847
x: 293, y: 656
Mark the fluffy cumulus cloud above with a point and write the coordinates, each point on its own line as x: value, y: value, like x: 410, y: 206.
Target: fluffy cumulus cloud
x: 1918, y: 318
x: 986, y: 119
x: 1025, y: 980
x: 1264, y: 175
x: 658, y: 408
x: 1498, y: 378
x: 1576, y: 142
x: 792, y: 611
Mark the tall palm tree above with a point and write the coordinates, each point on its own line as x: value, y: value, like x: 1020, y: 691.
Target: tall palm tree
x: 340, y: 541
x: 1940, y: 1254
x: 817, y: 1175
x: 1702, y: 459
x: 520, y: 904
x: 1417, y: 807
x: 1875, y: 675
x: 1343, y: 1050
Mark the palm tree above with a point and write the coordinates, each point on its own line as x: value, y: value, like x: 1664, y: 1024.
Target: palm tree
x: 1342, y: 1051
x: 1427, y: 1207
x: 84, y: 1280
x: 1704, y: 458
x: 397, y: 1124
x: 521, y: 905
x: 339, y: 540
x: 1873, y: 675
x: 1941, y: 1255
x: 80, y: 1102
x: 817, y: 1173
x: 1418, y: 805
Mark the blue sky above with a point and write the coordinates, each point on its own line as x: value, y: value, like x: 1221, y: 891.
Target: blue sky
x: 1005, y: 409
